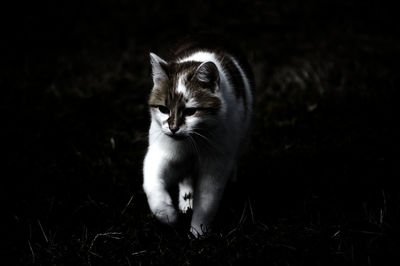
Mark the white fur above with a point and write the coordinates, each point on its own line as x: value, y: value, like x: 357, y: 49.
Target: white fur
x: 170, y: 162
x: 181, y: 88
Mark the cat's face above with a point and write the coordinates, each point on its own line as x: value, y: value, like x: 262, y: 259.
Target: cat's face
x: 184, y: 97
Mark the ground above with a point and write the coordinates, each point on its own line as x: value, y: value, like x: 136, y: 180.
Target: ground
x: 316, y: 186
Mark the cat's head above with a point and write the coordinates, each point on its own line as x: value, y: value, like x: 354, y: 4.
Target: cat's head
x: 184, y: 98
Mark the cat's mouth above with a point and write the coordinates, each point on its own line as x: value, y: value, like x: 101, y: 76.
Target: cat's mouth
x: 176, y: 136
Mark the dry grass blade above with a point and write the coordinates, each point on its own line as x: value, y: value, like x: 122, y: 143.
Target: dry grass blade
x: 42, y: 230
x: 127, y: 205
x: 31, y: 250
x: 113, y: 235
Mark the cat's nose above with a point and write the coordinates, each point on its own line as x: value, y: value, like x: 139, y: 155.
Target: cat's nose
x: 173, y: 128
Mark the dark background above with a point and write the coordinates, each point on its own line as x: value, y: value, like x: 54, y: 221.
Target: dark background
x: 316, y: 186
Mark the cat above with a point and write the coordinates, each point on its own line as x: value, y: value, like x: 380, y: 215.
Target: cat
x: 201, y: 109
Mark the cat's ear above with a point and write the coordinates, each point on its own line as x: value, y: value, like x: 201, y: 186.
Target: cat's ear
x: 159, y: 68
x: 208, y: 75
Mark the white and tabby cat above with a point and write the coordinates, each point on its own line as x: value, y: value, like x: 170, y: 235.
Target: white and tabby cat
x: 201, y: 107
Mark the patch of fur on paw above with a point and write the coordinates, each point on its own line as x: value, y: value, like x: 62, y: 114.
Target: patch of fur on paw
x: 186, y: 202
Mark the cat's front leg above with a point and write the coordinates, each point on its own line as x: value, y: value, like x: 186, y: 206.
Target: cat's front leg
x: 208, y: 192
x: 155, y: 186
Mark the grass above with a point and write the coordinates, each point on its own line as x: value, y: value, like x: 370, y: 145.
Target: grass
x: 316, y: 186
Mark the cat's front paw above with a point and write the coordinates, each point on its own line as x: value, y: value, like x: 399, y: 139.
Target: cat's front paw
x: 167, y: 214
x: 186, y: 202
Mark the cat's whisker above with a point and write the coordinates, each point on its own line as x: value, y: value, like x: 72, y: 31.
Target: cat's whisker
x: 194, y: 145
x: 204, y: 132
x: 207, y: 141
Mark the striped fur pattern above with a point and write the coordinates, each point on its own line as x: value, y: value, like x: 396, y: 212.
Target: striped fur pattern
x: 201, y: 108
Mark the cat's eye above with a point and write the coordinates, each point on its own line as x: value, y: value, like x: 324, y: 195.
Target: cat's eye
x: 189, y: 111
x: 163, y: 109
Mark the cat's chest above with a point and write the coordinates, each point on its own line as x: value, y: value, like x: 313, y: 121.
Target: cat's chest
x: 183, y: 168
x: 178, y: 159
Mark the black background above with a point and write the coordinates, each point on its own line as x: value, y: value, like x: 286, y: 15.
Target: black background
x: 316, y: 186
